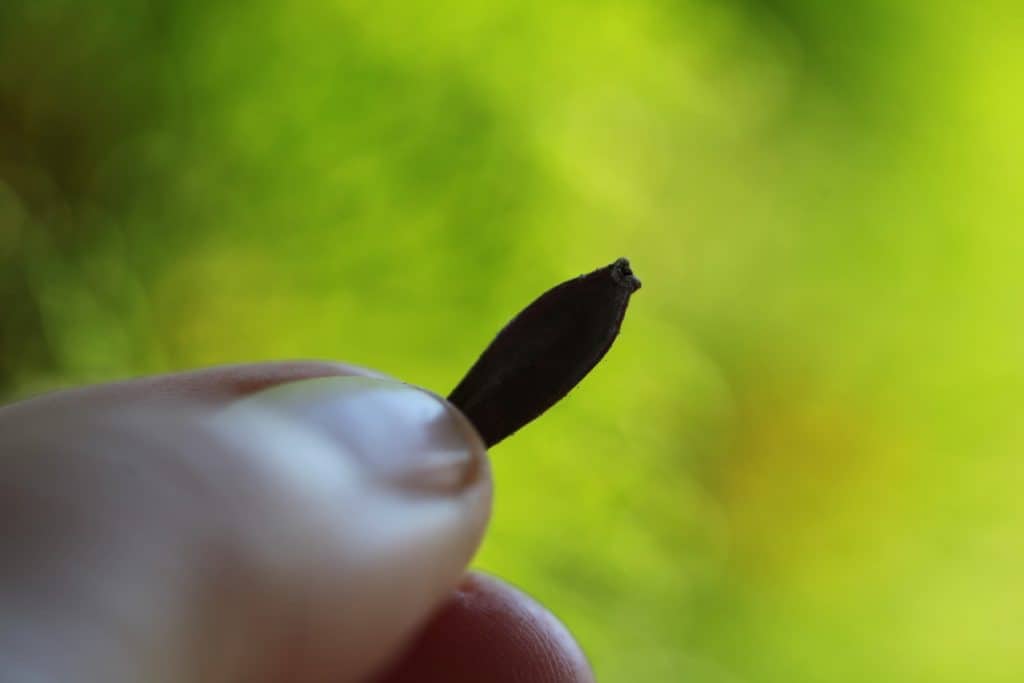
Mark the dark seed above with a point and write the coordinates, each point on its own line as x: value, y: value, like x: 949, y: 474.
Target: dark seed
x: 545, y: 351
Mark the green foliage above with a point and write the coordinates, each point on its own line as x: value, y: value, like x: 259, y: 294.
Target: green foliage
x: 801, y: 460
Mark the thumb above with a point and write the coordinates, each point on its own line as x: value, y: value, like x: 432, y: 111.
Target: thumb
x: 299, y: 534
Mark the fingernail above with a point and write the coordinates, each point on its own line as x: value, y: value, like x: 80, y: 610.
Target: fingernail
x: 401, y: 435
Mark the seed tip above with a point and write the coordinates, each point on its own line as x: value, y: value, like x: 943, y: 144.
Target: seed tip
x: 623, y: 275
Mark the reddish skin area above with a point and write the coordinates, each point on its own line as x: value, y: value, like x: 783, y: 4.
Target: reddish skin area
x: 489, y: 631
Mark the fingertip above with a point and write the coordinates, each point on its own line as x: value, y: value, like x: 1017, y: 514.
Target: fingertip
x: 392, y: 497
x: 490, y: 631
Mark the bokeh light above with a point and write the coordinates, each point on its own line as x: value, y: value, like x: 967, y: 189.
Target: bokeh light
x: 802, y: 459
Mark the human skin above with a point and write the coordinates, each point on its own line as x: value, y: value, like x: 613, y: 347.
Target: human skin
x: 300, y: 521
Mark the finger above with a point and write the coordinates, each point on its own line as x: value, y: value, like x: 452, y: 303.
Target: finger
x: 489, y: 631
x: 300, y: 534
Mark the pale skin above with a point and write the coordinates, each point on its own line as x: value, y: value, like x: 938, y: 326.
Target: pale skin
x: 300, y: 521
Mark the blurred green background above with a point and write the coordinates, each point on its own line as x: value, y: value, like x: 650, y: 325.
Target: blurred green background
x: 802, y: 460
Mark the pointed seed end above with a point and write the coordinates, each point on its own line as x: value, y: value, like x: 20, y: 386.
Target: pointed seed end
x: 623, y: 275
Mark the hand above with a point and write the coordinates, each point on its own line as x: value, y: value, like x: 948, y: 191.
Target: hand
x: 279, y: 522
